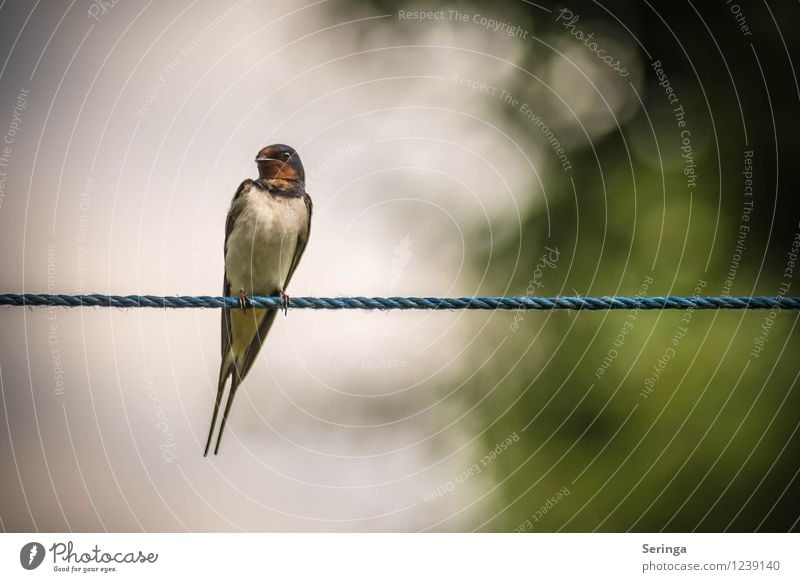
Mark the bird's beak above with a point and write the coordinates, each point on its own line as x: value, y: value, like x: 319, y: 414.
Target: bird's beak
x: 263, y: 159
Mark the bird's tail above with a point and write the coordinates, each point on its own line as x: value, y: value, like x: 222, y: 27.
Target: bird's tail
x: 227, y: 369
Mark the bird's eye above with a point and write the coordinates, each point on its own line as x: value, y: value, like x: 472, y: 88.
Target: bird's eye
x: 287, y: 155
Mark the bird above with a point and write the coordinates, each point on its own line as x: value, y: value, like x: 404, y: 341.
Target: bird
x: 266, y: 232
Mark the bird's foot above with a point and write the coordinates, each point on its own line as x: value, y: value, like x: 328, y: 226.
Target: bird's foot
x: 284, y: 302
x: 244, y: 300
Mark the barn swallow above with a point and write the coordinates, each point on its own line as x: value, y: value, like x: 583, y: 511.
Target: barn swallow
x: 265, y: 235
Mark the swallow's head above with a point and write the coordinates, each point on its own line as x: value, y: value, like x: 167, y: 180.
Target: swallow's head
x: 280, y: 162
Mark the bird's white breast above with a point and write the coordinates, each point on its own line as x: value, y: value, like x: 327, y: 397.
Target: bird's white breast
x: 262, y: 243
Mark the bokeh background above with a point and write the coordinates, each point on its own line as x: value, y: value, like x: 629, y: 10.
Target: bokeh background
x: 481, y: 150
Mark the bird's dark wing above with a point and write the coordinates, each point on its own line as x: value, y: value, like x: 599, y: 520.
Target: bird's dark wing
x: 233, y: 214
x: 302, y: 241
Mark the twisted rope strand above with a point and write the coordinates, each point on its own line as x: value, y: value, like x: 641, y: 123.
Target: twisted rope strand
x: 405, y: 303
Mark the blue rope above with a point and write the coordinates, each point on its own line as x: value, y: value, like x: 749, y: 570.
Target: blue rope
x: 522, y: 302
